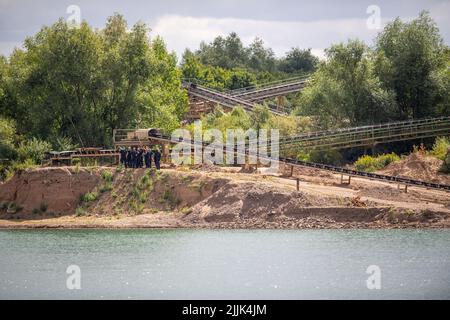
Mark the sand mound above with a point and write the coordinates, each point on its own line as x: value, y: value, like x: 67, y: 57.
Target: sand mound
x: 418, y: 166
x: 250, y: 200
x: 58, y: 190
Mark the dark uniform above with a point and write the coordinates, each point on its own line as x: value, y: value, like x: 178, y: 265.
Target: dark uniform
x: 148, y: 158
x: 128, y: 158
x: 157, y: 156
x: 123, y: 156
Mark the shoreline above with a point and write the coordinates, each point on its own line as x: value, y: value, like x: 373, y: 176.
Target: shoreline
x: 211, y: 198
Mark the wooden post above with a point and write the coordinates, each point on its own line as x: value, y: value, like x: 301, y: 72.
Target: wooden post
x: 280, y: 102
x: 404, y: 189
x: 292, y: 171
x: 298, y: 184
x: 345, y: 182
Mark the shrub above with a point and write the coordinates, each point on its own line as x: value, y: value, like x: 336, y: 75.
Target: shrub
x: 370, y: 164
x: 62, y: 143
x: 33, y: 149
x: 440, y: 147
x: 89, y: 197
x: 17, y: 166
x: 107, y: 176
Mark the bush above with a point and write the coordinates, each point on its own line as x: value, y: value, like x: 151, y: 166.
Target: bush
x: 107, y: 176
x: 17, y: 166
x: 62, y: 143
x: 89, y: 197
x: 33, y: 149
x: 440, y: 147
x: 370, y: 164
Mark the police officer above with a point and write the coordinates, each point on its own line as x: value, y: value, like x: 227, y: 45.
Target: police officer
x: 148, y: 158
x: 123, y: 155
x: 128, y: 158
x: 157, y: 158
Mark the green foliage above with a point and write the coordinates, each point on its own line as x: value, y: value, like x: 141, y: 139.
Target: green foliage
x: 62, y: 143
x: 369, y: 164
x: 107, y: 176
x: 33, y: 149
x: 75, y: 85
x: 441, y: 147
x: 89, y: 197
x: 345, y: 91
x: 229, y: 53
x: 7, y: 139
x: 298, y: 60
x: 411, y: 62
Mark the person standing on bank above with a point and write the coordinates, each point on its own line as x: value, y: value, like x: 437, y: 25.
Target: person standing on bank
x: 148, y: 158
x: 128, y: 158
x: 157, y: 156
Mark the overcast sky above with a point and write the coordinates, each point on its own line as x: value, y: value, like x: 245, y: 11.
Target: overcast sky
x: 281, y: 24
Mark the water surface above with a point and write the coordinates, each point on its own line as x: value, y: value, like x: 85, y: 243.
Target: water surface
x: 225, y: 264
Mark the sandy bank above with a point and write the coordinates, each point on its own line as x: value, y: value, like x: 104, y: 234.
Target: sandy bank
x: 56, y: 198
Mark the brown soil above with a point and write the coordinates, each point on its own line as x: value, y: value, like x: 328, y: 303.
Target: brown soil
x: 59, y: 189
x: 418, y: 166
x: 212, y: 199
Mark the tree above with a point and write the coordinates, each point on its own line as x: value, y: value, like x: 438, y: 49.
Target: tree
x: 7, y: 139
x: 345, y: 91
x: 298, y: 60
x: 76, y: 85
x: 163, y: 101
x: 260, y: 58
x: 410, y: 61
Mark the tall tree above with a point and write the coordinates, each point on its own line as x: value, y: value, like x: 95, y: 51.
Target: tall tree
x: 298, y: 60
x: 345, y: 91
x: 410, y: 62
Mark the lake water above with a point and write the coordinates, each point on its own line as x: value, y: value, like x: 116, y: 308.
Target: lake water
x: 225, y: 264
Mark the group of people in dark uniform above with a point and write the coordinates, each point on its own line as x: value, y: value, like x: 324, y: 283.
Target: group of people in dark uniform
x: 139, y: 157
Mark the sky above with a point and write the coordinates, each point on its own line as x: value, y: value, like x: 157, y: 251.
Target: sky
x: 282, y: 24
